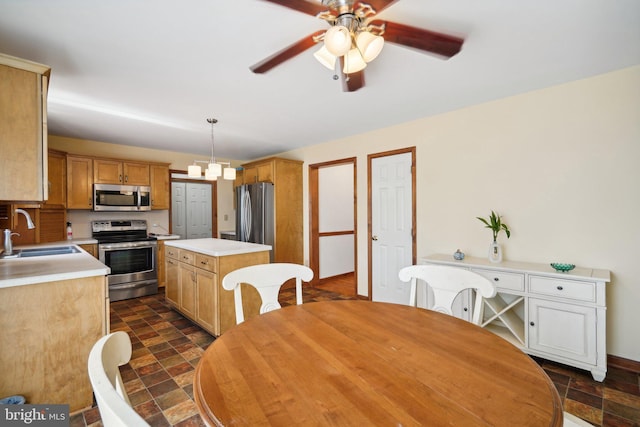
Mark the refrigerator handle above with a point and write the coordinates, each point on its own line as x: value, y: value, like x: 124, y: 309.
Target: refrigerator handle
x: 247, y: 216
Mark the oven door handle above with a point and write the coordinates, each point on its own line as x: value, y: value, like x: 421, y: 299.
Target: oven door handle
x: 127, y: 245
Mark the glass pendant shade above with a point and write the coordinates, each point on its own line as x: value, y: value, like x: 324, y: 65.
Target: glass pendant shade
x: 215, y: 169
x: 353, y: 62
x: 337, y: 40
x: 370, y: 45
x: 229, y: 173
x: 209, y: 175
x: 325, y: 58
x: 194, y: 171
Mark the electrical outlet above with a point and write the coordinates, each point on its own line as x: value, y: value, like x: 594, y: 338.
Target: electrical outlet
x: 226, y: 217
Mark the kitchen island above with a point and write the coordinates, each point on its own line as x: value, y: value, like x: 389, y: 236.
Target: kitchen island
x: 53, y: 308
x: 194, y: 270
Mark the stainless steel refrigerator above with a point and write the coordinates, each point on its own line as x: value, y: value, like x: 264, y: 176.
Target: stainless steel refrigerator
x: 255, y: 214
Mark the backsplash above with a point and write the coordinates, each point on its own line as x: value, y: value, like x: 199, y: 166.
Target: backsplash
x: 81, y: 220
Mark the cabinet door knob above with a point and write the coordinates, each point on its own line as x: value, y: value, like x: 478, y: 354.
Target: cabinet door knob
x: 465, y: 309
x: 559, y: 288
x: 496, y: 279
x: 532, y: 323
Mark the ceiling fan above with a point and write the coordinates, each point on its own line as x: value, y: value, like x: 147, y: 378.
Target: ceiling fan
x: 355, y: 38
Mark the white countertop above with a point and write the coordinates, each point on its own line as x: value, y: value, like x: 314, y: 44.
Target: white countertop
x: 165, y: 236
x: 218, y: 247
x: 28, y: 271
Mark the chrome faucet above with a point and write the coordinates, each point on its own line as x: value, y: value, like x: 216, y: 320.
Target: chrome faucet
x: 8, y: 244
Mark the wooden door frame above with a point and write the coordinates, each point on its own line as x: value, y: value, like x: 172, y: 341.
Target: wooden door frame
x: 214, y: 198
x: 314, y: 210
x: 370, y: 158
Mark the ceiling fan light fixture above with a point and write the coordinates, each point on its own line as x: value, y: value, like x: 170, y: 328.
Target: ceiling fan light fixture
x: 325, y: 58
x: 369, y: 44
x: 353, y: 62
x: 337, y: 40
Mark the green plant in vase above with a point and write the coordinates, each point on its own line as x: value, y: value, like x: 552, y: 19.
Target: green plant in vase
x: 494, y: 222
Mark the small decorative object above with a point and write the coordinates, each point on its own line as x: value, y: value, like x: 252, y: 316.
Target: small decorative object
x: 458, y: 255
x: 562, y: 267
x: 494, y: 222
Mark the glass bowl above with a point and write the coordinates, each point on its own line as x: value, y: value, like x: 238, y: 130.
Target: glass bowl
x: 562, y: 267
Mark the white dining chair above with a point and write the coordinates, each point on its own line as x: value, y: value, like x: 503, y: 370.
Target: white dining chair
x: 446, y: 283
x: 267, y: 279
x: 573, y: 421
x: 107, y: 354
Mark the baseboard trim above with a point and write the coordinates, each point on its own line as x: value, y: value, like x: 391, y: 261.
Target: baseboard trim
x: 622, y: 363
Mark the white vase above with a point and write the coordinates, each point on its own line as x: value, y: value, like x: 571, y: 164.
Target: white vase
x: 495, y: 252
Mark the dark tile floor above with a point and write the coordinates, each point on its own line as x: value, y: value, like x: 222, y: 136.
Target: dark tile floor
x: 167, y: 347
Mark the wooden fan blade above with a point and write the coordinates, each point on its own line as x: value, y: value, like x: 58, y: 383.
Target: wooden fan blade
x: 285, y: 54
x: 429, y: 41
x: 377, y: 5
x: 351, y: 82
x: 301, y: 6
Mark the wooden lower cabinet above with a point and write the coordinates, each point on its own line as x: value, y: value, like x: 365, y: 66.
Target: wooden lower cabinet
x: 194, y: 287
x: 44, y: 347
x: 92, y: 248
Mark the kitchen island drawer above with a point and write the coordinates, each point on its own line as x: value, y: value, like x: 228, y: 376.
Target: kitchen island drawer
x: 187, y: 257
x: 504, y: 280
x: 172, y: 252
x: 561, y: 288
x: 206, y: 262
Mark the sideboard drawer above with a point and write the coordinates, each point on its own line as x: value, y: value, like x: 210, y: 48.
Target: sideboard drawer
x: 582, y: 291
x: 501, y: 279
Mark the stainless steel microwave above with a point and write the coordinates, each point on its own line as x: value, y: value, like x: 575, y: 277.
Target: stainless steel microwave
x: 109, y: 197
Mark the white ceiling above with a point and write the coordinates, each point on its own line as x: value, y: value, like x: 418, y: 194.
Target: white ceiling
x: 149, y: 73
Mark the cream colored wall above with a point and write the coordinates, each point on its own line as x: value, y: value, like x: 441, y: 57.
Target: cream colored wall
x: 561, y: 166
x: 177, y: 161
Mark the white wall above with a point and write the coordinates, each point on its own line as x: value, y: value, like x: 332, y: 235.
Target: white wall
x: 560, y: 164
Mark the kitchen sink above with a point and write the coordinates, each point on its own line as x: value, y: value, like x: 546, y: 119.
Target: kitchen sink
x: 46, y: 251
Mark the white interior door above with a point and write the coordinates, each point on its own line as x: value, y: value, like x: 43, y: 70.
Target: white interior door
x: 191, y: 210
x: 198, y: 211
x: 179, y: 209
x: 391, y: 220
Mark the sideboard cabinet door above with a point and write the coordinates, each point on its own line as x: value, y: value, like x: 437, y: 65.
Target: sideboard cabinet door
x: 563, y: 329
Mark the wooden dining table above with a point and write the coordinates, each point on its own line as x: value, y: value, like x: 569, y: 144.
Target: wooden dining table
x: 356, y: 363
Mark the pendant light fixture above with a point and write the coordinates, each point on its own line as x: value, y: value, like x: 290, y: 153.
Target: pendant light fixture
x: 214, y: 169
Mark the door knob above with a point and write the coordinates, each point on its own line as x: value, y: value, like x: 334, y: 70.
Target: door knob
x: 374, y: 237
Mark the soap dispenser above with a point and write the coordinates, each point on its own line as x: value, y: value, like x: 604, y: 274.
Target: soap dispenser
x: 69, y: 231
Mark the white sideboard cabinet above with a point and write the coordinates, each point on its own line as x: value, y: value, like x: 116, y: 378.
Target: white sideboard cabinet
x: 552, y: 315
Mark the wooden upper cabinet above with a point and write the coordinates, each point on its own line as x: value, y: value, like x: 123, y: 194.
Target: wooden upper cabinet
x: 108, y: 171
x: 159, y: 177
x: 258, y: 172
x: 57, y: 180
x: 79, y: 182
x: 23, y: 134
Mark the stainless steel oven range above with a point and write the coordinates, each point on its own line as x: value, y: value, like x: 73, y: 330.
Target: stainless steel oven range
x: 131, y: 254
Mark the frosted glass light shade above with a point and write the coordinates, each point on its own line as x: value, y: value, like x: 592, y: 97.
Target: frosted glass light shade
x: 210, y: 175
x: 337, y: 39
x: 229, y: 173
x: 353, y: 62
x: 325, y: 58
x: 370, y: 45
x: 215, y: 169
x: 194, y: 171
